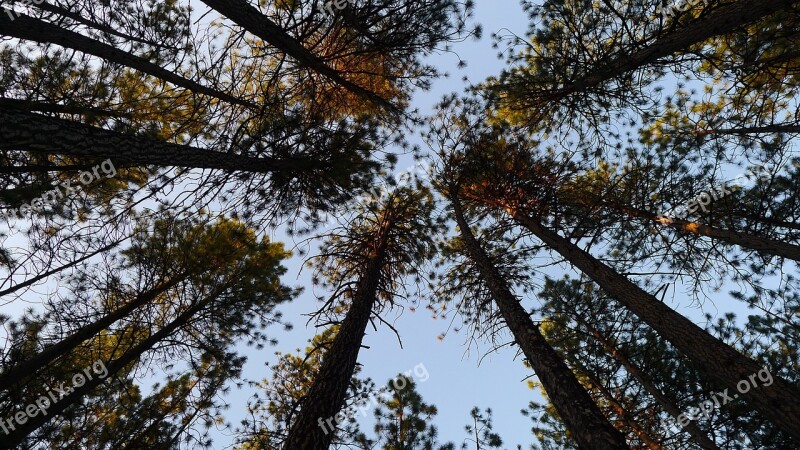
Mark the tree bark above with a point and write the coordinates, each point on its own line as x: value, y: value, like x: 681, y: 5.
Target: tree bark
x: 587, y: 424
x: 327, y: 394
x: 780, y: 402
x: 669, y: 405
x: 41, y: 134
x: 621, y: 411
x: 17, y: 435
x: 251, y: 19
x: 744, y: 240
x: 724, y: 20
x: 20, y: 372
x: 32, y: 29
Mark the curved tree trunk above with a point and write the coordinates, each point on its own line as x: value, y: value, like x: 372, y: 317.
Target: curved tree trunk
x: 780, y: 402
x: 588, y: 425
x: 20, y: 372
x: 31, y: 29
x: 312, y: 429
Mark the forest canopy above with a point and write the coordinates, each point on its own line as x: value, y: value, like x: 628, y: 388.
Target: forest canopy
x: 616, y: 211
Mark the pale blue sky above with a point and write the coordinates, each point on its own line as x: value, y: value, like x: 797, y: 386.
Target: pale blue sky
x: 456, y: 382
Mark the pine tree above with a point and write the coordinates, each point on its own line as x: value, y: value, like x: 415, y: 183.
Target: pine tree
x: 365, y: 266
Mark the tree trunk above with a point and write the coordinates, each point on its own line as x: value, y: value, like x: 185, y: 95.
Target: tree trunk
x: 587, y: 424
x: 743, y: 131
x: 41, y: 134
x: 621, y: 411
x: 36, y: 106
x: 251, y: 20
x: 49, y: 7
x: 32, y: 29
x: 744, y: 240
x: 20, y: 372
x: 312, y: 430
x: 780, y: 402
x: 726, y: 19
x: 669, y: 405
x: 20, y: 431
x: 66, y: 266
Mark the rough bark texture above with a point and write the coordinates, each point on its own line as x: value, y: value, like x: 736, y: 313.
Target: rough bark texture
x: 32, y: 29
x: 587, y: 424
x: 26, y: 368
x: 780, y: 402
x: 326, y: 396
x: 36, y: 133
x: 669, y: 405
x: 251, y: 19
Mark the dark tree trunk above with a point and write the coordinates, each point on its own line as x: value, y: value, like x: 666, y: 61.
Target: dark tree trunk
x: 41, y: 134
x: 587, y: 424
x: 725, y: 20
x: 32, y: 29
x: 744, y: 240
x: 16, y: 436
x: 325, y: 398
x: 251, y: 19
x: 669, y: 405
x: 20, y: 372
x: 780, y: 402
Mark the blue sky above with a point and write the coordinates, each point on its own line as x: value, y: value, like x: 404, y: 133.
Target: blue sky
x: 457, y: 382
x: 460, y: 377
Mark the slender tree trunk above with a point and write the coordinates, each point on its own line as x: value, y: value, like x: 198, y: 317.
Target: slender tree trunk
x: 41, y: 134
x: 76, y: 393
x: 726, y: 19
x: 68, y: 265
x: 744, y: 240
x: 780, y: 402
x: 49, y: 7
x: 768, y: 220
x: 248, y: 17
x: 20, y: 372
x: 669, y: 405
x: 28, y: 105
x: 743, y: 131
x: 32, y: 29
x: 312, y: 429
x: 588, y: 425
x: 621, y: 411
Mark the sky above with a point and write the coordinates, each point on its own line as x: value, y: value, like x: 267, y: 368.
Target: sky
x: 459, y: 377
